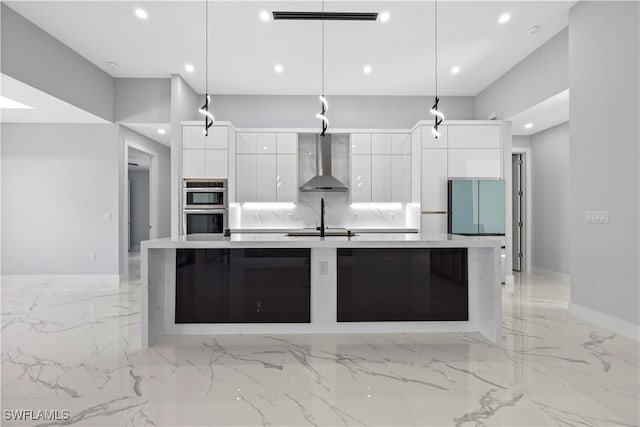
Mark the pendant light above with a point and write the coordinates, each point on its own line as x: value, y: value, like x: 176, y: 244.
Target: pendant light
x: 437, y: 115
x: 323, y: 100
x: 204, y: 110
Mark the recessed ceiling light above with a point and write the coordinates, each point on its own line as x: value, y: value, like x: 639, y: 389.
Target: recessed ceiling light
x: 528, y: 126
x: 10, y: 104
x: 264, y: 15
x: 367, y: 69
x: 278, y: 68
x: 384, y: 16
x: 141, y: 13
x: 504, y: 18
x: 190, y: 68
x: 455, y: 70
x: 162, y: 131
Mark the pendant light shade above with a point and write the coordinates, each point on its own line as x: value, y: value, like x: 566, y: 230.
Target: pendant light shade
x: 204, y: 110
x: 438, y: 117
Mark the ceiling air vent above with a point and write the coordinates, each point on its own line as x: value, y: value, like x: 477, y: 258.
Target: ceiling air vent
x: 327, y: 16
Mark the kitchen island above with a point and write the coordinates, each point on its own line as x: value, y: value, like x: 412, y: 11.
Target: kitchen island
x: 279, y: 284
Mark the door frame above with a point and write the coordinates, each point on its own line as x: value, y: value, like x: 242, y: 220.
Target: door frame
x: 528, y: 190
x: 154, y: 180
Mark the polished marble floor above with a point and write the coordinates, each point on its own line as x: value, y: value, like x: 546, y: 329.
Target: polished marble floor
x: 70, y: 348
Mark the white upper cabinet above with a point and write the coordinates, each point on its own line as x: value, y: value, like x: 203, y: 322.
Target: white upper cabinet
x: 429, y: 141
x: 474, y: 136
x: 360, y: 178
x: 266, y: 143
x: 192, y: 137
x: 286, y: 178
x: 218, y: 138
x: 287, y: 143
x: 360, y: 143
x: 273, y: 156
x: 401, y: 143
x: 475, y: 163
x: 381, y: 178
x: 434, y: 180
x: 381, y: 143
x: 193, y: 165
x: 216, y: 164
x: 401, y: 179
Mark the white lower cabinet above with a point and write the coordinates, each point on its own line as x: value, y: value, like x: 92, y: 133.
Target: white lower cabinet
x: 193, y: 163
x: 475, y: 163
x: 360, y: 178
x: 246, y: 177
x: 266, y: 178
x: 380, y: 178
x: 433, y: 224
x: 287, y: 177
x: 434, y: 180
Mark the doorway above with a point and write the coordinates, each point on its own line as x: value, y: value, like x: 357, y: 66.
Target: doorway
x: 139, y: 219
x: 518, y: 183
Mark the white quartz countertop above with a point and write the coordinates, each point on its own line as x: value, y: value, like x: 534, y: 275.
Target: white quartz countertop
x: 273, y: 240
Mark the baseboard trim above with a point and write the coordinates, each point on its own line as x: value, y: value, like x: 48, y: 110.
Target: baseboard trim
x: 555, y: 274
x: 619, y: 326
x: 75, y: 280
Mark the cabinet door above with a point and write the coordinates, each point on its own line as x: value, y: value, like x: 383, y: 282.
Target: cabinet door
x: 401, y: 143
x: 287, y: 178
x: 246, y: 177
x: 360, y: 178
x: 360, y: 143
x: 381, y: 143
x: 429, y: 141
x: 192, y: 137
x: 266, y: 143
x: 434, y: 180
x: 474, y: 136
x: 245, y: 143
x: 380, y: 178
x: 216, y: 164
x: 266, y: 178
x: 400, y: 179
x: 474, y: 163
x: 218, y: 138
x: 433, y: 224
x: 287, y: 143
x: 193, y: 164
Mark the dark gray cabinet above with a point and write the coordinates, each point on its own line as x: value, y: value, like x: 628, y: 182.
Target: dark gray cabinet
x: 402, y: 284
x: 243, y: 286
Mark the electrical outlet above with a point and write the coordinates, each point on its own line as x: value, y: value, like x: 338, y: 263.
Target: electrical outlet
x: 596, y: 217
x: 106, y: 216
x: 324, y: 267
x: 92, y: 256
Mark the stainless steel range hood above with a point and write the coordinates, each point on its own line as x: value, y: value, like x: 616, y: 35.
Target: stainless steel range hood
x: 323, y: 181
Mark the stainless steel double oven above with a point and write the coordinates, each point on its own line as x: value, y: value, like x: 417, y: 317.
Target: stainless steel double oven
x: 205, y: 206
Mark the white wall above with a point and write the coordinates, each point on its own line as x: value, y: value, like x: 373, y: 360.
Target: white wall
x: 520, y: 141
x: 536, y: 78
x: 550, y: 199
x: 143, y: 100
x: 604, y: 53
x: 365, y: 112
x: 58, y: 180
x: 138, y: 206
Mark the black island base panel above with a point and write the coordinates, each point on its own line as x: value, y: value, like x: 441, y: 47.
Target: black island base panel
x: 402, y: 284
x: 243, y: 285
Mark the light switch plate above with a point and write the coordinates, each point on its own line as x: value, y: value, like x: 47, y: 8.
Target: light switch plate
x: 324, y: 267
x: 596, y: 217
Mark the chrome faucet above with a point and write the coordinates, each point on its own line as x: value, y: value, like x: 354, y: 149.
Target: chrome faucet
x: 321, y: 228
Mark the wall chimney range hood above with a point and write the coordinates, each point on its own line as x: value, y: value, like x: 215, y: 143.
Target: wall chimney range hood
x: 323, y: 181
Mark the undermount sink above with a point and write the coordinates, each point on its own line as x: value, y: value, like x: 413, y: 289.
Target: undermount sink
x: 327, y: 232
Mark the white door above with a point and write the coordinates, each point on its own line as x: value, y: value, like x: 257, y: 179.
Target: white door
x: 216, y: 163
x: 266, y: 178
x: 193, y: 164
x: 434, y: 180
x: 286, y: 178
x: 381, y: 178
x: 246, y: 177
x: 360, y: 178
x: 401, y: 178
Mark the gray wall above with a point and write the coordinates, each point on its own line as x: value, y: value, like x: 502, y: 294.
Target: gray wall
x: 57, y: 182
x: 382, y: 112
x: 604, y: 57
x: 32, y: 56
x: 139, y: 206
x: 550, y: 199
x: 143, y: 100
x: 536, y: 78
x: 520, y: 141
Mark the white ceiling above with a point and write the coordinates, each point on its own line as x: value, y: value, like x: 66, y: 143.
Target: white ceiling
x: 150, y: 130
x: 244, y: 50
x: 544, y: 115
x: 45, y: 108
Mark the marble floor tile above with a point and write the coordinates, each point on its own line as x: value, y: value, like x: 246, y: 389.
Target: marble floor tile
x: 71, y: 348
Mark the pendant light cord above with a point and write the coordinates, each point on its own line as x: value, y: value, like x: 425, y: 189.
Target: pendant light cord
x: 323, y: 101
x: 436, y: 39
x: 322, y: 47
x: 204, y: 110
